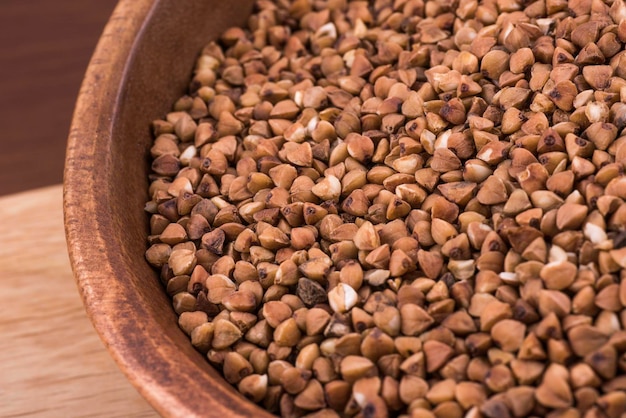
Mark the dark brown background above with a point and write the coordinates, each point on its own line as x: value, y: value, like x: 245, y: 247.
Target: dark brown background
x: 45, y: 47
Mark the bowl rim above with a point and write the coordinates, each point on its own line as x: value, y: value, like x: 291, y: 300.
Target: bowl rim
x: 179, y: 390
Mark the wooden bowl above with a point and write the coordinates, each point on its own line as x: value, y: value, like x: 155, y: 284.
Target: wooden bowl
x: 141, y: 65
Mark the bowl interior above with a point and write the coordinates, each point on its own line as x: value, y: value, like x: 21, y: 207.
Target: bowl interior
x: 141, y: 65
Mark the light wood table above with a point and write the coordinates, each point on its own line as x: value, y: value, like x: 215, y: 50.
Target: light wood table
x: 52, y: 363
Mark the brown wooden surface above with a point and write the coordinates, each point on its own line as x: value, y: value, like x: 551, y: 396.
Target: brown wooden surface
x: 53, y: 363
x: 46, y: 46
x: 52, y: 360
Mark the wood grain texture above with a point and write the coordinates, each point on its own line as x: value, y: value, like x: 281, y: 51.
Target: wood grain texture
x: 45, y: 46
x: 53, y: 363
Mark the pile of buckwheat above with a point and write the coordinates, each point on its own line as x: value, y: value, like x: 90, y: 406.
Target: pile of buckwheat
x: 404, y: 208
